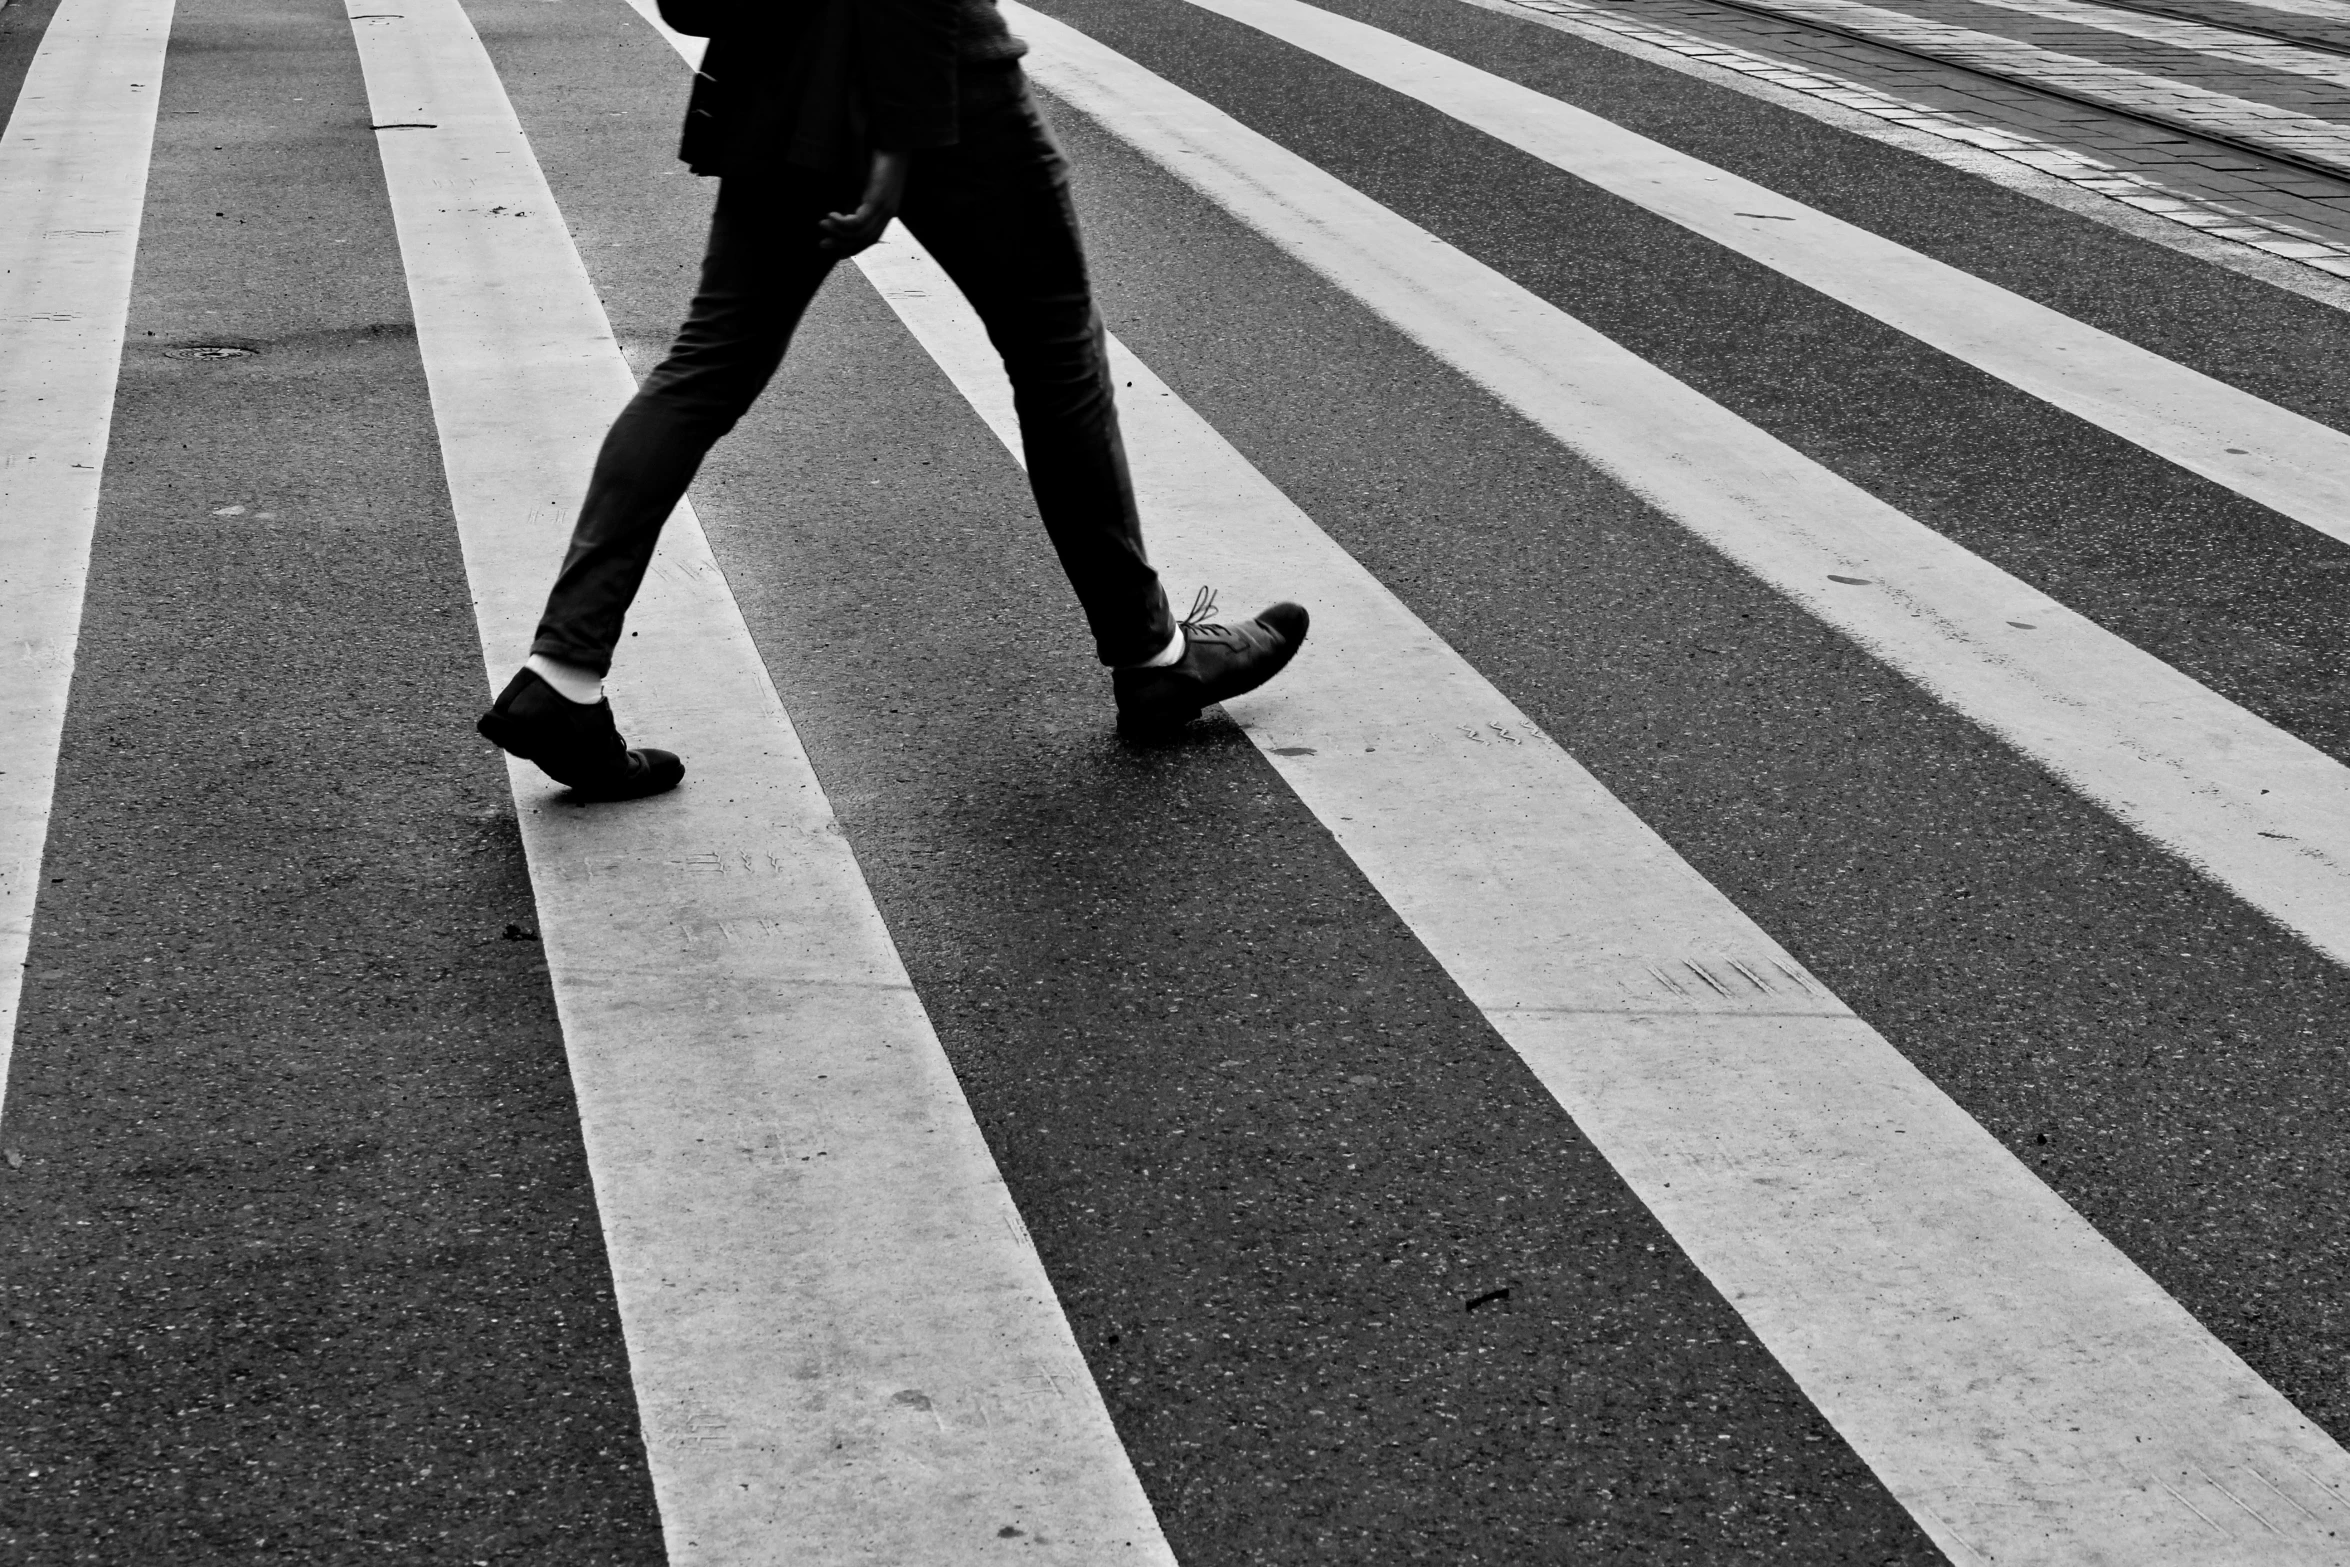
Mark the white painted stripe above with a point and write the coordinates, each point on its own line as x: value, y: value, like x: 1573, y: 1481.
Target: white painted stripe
x: 2260, y: 811
x: 2268, y: 454
x: 688, y: 49
x: 2023, y: 1388
x: 2134, y: 200
x: 2027, y: 1392
x: 73, y: 183
x: 2207, y: 38
x: 844, y: 1345
x: 2174, y: 102
x: 2017, y: 1382
x: 2331, y: 10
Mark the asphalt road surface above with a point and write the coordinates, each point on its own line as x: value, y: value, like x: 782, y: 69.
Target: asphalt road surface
x: 942, y: 1133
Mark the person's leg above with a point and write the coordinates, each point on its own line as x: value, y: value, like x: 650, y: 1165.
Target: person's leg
x: 760, y: 271
x: 995, y: 212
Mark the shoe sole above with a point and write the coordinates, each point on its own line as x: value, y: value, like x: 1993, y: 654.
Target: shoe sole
x: 614, y: 796
x: 492, y: 726
x: 1156, y: 726
x: 1160, y: 724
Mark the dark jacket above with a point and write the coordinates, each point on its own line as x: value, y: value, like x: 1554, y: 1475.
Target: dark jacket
x: 816, y: 84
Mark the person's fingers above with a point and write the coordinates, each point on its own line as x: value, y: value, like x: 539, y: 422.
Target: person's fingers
x: 846, y: 233
x: 842, y: 225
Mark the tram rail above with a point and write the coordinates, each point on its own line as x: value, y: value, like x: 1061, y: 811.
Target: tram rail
x: 2276, y: 35
x: 2248, y: 145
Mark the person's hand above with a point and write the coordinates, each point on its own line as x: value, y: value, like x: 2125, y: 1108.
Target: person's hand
x: 846, y: 233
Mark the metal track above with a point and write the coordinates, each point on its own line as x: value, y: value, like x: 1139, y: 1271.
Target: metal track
x: 2240, y: 144
x: 2172, y: 13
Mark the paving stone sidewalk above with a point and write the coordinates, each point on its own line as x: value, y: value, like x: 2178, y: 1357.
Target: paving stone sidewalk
x: 2270, y: 206
x: 2183, y: 103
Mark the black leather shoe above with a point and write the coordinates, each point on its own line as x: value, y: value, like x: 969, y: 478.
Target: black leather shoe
x: 574, y: 743
x: 1218, y: 662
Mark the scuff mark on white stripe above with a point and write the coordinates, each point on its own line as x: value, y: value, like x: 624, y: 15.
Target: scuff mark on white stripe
x: 73, y: 186
x: 844, y: 1345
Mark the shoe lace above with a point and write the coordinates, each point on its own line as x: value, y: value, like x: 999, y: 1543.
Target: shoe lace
x: 1202, y: 606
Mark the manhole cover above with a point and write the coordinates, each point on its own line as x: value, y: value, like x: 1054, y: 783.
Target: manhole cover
x: 208, y: 351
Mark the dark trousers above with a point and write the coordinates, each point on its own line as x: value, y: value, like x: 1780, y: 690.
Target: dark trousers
x: 995, y: 212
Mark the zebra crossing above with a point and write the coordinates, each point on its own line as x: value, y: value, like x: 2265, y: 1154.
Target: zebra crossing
x: 2227, y: 116
x: 865, y: 1359
x: 786, y: 1170
x: 1943, y: 617
x: 1706, y: 1063
x: 2217, y: 43
x: 2253, y: 209
x: 73, y: 172
x: 2288, y: 462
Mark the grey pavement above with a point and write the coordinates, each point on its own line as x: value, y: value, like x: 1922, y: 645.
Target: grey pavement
x: 303, y: 1262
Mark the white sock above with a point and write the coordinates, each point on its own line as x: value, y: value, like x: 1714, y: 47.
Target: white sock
x: 571, y: 682
x: 1172, y: 653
